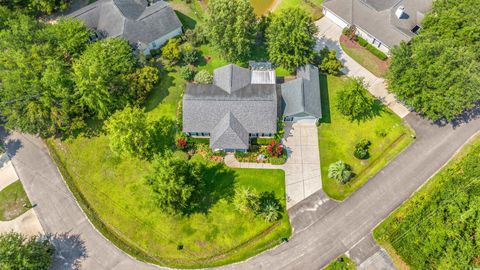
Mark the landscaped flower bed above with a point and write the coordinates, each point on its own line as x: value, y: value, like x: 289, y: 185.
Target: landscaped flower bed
x: 273, y: 153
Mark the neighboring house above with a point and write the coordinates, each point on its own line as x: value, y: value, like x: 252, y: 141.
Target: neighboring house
x: 243, y: 104
x: 384, y: 23
x: 146, y: 26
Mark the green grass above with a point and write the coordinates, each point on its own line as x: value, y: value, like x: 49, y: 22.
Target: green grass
x: 341, y: 263
x: 313, y: 7
x: 337, y: 136
x: 113, y: 193
x: 13, y: 201
x: 437, y: 228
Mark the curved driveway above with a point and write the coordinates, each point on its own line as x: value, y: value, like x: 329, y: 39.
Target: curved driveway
x: 323, y: 228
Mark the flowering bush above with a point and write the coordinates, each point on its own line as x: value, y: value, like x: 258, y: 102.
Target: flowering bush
x: 181, y: 143
x: 275, y: 149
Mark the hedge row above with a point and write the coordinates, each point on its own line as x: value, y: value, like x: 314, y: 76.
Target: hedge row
x: 371, y: 48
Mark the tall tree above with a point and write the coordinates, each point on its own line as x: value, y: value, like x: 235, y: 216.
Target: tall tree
x: 37, y: 90
x: 35, y: 7
x: 231, y: 27
x: 355, y: 102
x: 437, y: 73
x: 20, y: 252
x: 100, y: 76
x: 291, y: 38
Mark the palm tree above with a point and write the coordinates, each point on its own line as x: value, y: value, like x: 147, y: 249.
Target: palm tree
x: 271, y: 211
x: 340, y: 171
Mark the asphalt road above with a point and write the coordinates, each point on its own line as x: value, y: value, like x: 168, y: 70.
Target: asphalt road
x: 324, y: 229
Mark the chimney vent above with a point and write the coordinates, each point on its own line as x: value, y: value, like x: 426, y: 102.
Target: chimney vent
x: 400, y: 11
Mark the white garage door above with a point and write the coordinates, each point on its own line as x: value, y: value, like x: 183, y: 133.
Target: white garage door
x: 334, y: 18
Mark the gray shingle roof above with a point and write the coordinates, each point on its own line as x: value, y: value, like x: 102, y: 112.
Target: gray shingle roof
x: 254, y: 106
x: 302, y: 95
x: 229, y: 134
x: 377, y: 17
x: 133, y: 20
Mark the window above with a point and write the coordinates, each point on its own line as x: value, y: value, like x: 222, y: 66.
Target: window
x: 415, y: 29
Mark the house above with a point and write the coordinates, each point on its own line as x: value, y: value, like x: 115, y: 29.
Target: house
x: 146, y: 26
x: 242, y: 104
x: 383, y: 23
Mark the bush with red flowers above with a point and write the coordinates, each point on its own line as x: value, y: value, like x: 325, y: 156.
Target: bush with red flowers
x: 182, y: 143
x: 275, y: 149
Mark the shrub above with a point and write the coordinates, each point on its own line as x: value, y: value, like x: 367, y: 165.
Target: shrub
x: 354, y: 101
x: 187, y: 73
x: 381, y: 133
x: 142, y: 82
x: 180, y: 155
x: 181, y: 143
x: 277, y: 160
x: 189, y: 54
x: 362, y: 41
x: 246, y: 199
x: 340, y: 171
x: 328, y: 62
x: 240, y: 154
x: 171, y: 51
x: 377, y: 52
x: 196, y: 36
x: 361, y: 149
x: 203, y: 77
x: 270, y: 207
x: 28, y: 253
x: 275, y: 149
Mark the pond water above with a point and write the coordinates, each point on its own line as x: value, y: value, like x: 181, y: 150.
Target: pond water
x: 261, y: 7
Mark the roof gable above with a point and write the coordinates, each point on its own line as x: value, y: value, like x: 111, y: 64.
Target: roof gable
x: 302, y: 95
x: 231, y: 77
x: 229, y: 134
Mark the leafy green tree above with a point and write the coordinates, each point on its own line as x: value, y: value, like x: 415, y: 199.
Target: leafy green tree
x: 340, y: 171
x: 437, y: 72
x: 69, y: 37
x: 203, y: 77
x: 176, y: 182
x: 187, y: 73
x: 271, y: 210
x: 35, y: 6
x: 129, y: 133
x: 329, y: 63
x: 171, y: 51
x: 21, y: 252
x: 100, y: 76
x: 190, y: 54
x: 36, y: 92
x: 246, y: 199
x: 142, y: 81
x: 354, y: 101
x: 231, y: 27
x: 291, y: 38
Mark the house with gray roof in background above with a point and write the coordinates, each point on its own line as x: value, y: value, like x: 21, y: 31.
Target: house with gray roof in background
x: 146, y: 26
x: 383, y: 23
x: 242, y: 104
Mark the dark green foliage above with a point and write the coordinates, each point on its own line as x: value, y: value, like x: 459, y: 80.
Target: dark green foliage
x: 27, y: 253
x: 187, y: 73
x: 35, y: 7
x: 371, y: 48
x: 176, y: 182
x: 361, y: 149
x: 362, y: 41
x: 100, y: 76
x: 437, y: 73
x: 438, y: 227
x: 356, y: 103
x: 190, y: 54
x: 231, y: 27
x: 142, y: 81
x: 291, y: 38
x: 329, y: 63
x: 37, y: 94
x: 270, y: 207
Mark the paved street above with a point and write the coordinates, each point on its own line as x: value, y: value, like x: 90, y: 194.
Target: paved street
x: 328, y: 35
x: 323, y: 229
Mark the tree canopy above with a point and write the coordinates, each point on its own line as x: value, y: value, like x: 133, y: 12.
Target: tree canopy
x: 355, y: 102
x: 231, y: 27
x: 36, y: 6
x: 176, y: 182
x: 291, y: 38
x: 437, y: 73
x: 20, y: 252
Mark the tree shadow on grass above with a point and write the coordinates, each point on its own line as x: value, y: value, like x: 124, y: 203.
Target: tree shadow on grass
x: 376, y: 109
x: 70, y: 251
x: 325, y: 100
x: 187, y: 22
x: 219, y: 184
x: 160, y: 92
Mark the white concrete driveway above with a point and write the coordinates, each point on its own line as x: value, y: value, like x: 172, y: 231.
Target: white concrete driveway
x: 302, y: 169
x: 328, y: 35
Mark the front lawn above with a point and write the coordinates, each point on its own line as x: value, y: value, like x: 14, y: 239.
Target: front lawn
x: 365, y: 58
x: 113, y: 193
x: 337, y: 136
x: 13, y: 201
x: 438, y: 227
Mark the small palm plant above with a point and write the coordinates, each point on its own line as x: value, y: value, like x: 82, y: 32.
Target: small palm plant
x: 246, y: 199
x: 271, y: 211
x: 340, y: 171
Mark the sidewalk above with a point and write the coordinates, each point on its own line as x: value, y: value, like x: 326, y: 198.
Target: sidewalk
x: 328, y: 35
